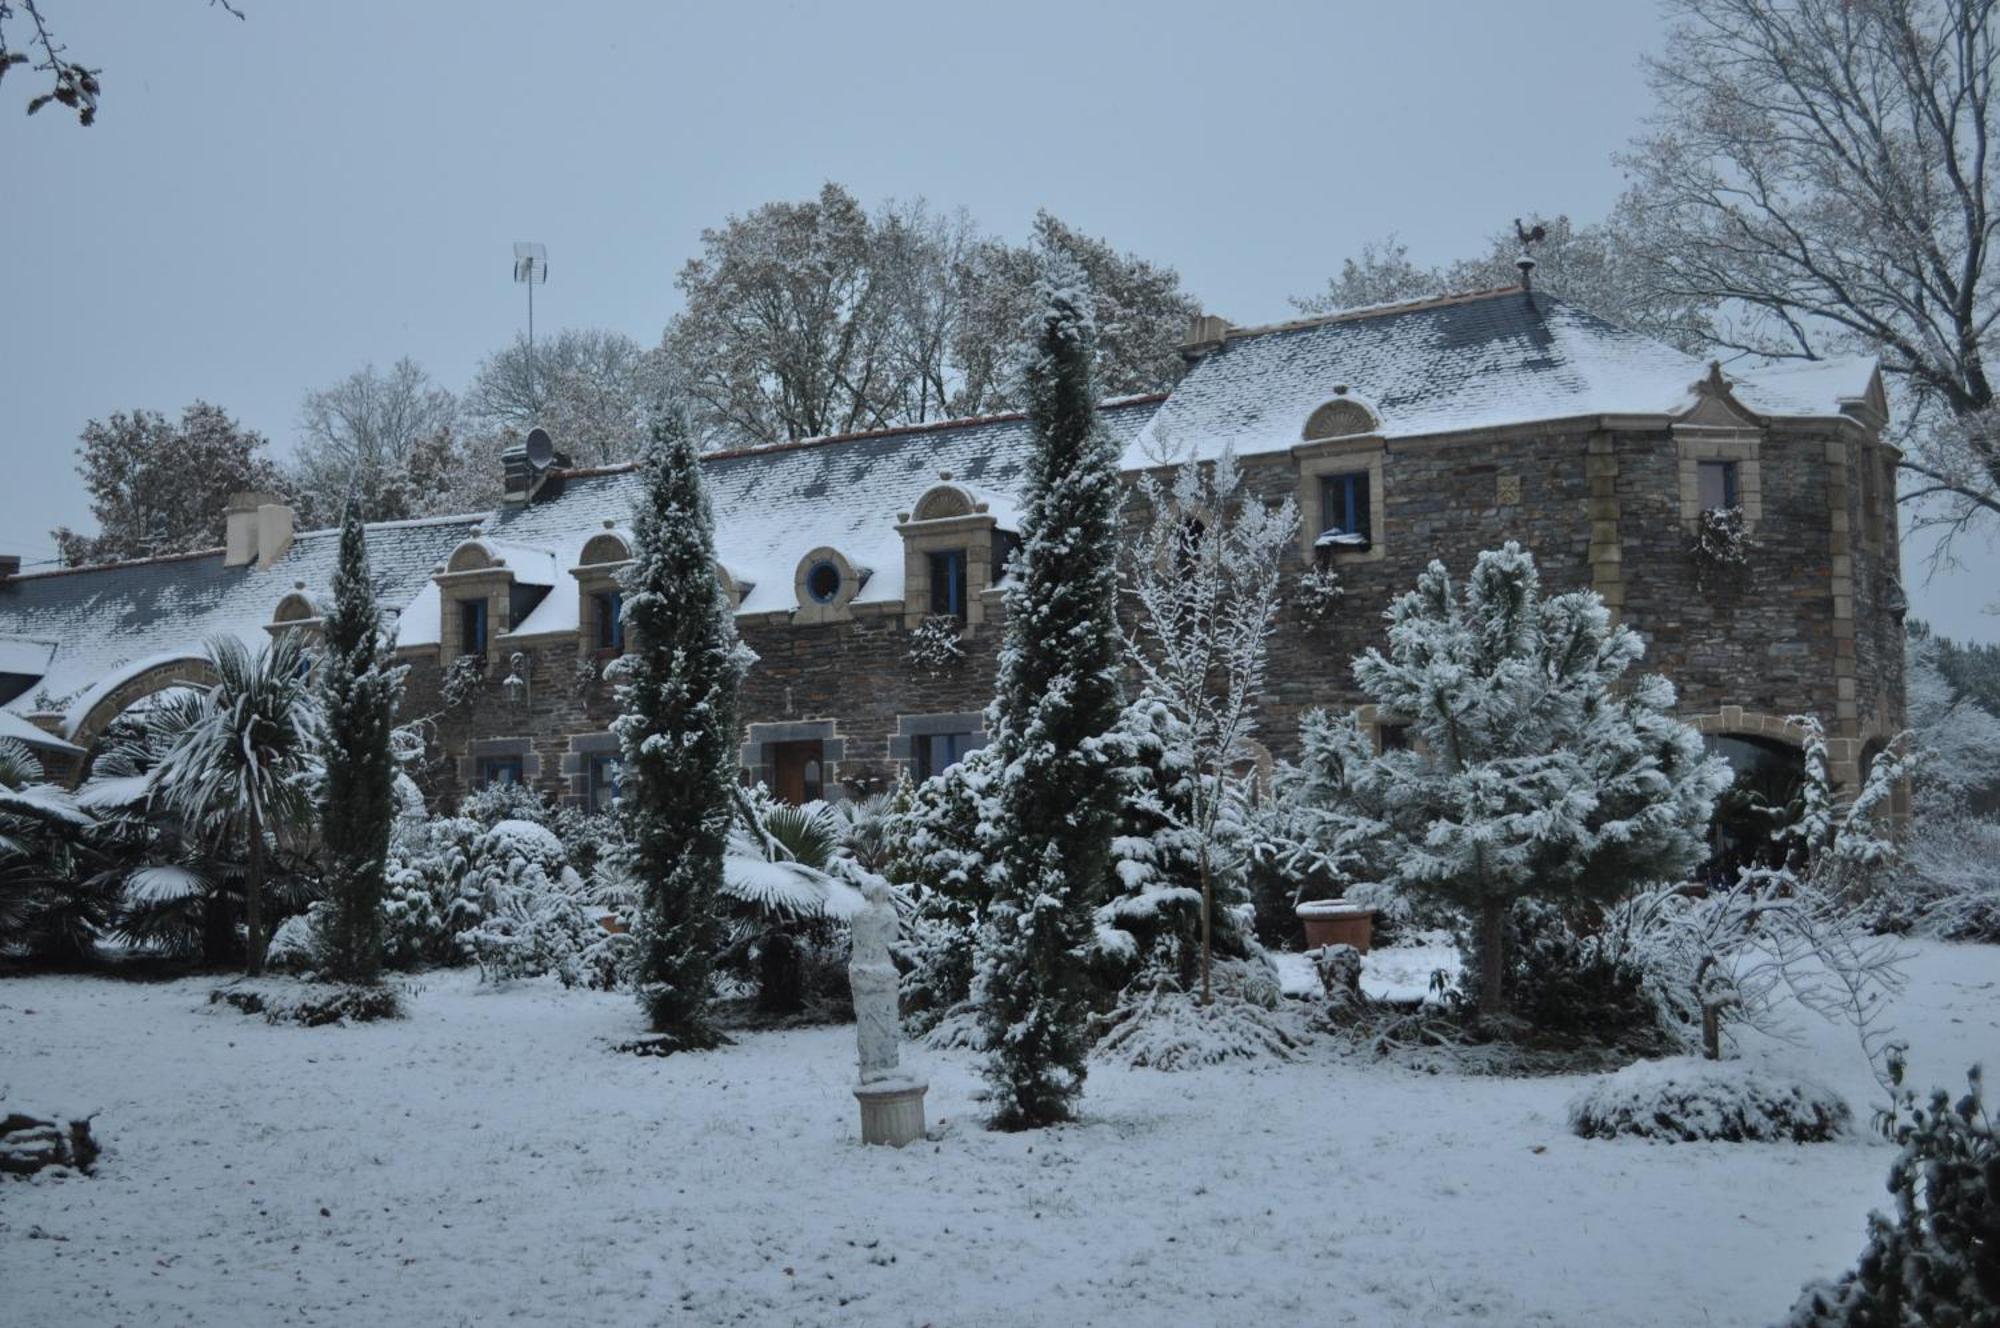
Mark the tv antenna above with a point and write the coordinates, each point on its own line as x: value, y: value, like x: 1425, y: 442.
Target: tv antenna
x: 531, y: 269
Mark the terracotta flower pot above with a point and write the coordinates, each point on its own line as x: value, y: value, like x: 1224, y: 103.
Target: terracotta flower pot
x: 1337, y: 922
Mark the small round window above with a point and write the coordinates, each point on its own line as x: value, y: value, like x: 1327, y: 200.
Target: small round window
x: 823, y: 582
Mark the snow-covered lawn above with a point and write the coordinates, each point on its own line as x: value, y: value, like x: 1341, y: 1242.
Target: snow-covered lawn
x: 489, y: 1159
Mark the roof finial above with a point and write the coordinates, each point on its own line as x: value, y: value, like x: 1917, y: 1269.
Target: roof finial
x: 1529, y: 236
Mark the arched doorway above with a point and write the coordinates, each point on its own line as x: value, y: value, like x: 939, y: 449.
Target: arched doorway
x: 1769, y: 773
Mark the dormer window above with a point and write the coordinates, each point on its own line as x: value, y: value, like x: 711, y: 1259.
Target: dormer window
x: 472, y: 626
x: 948, y: 583
x: 1716, y: 485
x: 609, y: 608
x: 823, y: 582
x: 1344, y: 517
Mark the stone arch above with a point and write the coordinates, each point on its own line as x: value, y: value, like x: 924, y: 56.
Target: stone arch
x: 472, y: 556
x: 606, y: 547
x: 943, y: 501
x: 296, y: 607
x: 123, y: 689
x: 1736, y: 722
x: 826, y: 569
x: 1340, y: 418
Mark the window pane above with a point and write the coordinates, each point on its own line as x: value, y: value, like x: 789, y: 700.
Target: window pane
x: 948, y: 583
x: 472, y: 622
x: 611, y: 621
x: 1715, y: 483
x: 1344, y: 505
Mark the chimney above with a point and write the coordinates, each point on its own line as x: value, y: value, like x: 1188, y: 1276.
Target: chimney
x: 521, y: 479
x: 10, y: 566
x: 1206, y: 332
x: 257, y: 529
x: 1527, y: 267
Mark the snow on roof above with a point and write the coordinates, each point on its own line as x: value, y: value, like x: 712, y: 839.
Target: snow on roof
x: 25, y: 655
x: 773, y: 505
x: 1438, y: 366
x: 104, y: 617
x: 19, y: 729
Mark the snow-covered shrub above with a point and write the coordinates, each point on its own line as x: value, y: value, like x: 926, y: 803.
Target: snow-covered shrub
x: 1684, y: 1099
x: 536, y: 915
x: 1165, y: 1028
x: 1150, y: 924
x: 1721, y: 546
x: 1947, y: 883
x: 297, y: 946
x: 464, y: 679
x: 940, y: 852
x: 1317, y: 594
x: 1567, y: 981
x: 312, y: 1004
x: 1937, y: 1261
x: 935, y: 645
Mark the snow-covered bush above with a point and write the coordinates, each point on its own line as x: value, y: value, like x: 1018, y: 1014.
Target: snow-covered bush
x: 535, y: 912
x: 1148, y: 929
x: 1947, y: 883
x: 464, y: 679
x: 1163, y: 1027
x: 940, y: 852
x: 297, y: 946
x: 1937, y: 1260
x: 1317, y: 594
x: 1721, y: 546
x: 935, y: 646
x: 1683, y: 1099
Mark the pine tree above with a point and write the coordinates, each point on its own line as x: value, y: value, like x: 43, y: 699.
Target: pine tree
x: 677, y: 733
x: 1057, y: 697
x: 1536, y: 768
x: 359, y: 690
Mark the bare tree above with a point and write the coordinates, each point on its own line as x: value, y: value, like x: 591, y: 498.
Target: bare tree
x: 360, y: 438
x: 71, y: 83
x: 1590, y: 266
x: 1204, y: 575
x: 818, y: 317
x: 1820, y: 169
x: 786, y: 332
x: 589, y: 387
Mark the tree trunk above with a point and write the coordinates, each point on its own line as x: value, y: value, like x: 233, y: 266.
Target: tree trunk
x: 1207, y: 926
x: 253, y: 901
x: 1493, y: 957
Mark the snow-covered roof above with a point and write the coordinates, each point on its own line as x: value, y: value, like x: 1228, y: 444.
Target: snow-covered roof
x: 25, y: 656
x: 19, y: 729
x: 774, y: 505
x: 105, y: 617
x: 1474, y: 361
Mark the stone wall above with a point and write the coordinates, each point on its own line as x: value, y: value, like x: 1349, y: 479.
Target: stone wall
x: 1810, y: 625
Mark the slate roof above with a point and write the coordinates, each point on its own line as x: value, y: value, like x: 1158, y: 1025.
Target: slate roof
x: 104, y: 617
x: 773, y: 505
x: 1461, y: 362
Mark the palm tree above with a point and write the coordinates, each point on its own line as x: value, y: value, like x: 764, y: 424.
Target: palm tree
x: 53, y: 901
x: 242, y: 764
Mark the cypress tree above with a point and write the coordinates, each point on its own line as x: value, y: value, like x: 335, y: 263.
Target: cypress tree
x: 359, y: 690
x: 1057, y: 697
x: 677, y: 733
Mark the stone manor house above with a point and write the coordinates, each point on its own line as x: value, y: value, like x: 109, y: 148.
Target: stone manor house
x: 1404, y: 433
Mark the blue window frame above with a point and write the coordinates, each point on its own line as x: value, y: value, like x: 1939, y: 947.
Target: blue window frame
x: 489, y: 770
x: 935, y: 753
x: 948, y: 583
x: 1343, y: 509
x: 472, y: 627
x: 611, y: 621
x: 601, y: 774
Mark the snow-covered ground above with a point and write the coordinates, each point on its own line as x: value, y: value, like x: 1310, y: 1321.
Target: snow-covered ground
x: 490, y: 1160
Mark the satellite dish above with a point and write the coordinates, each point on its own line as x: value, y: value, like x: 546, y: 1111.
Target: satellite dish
x: 541, y: 449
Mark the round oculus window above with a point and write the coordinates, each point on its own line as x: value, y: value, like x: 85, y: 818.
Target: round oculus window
x: 823, y: 582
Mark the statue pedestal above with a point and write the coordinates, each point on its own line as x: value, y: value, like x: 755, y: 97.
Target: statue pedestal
x: 892, y: 1111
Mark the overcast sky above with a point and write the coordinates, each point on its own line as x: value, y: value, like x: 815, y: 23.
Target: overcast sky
x: 264, y: 206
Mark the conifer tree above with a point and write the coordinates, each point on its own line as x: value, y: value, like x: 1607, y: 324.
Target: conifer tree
x: 1057, y: 697
x: 359, y: 690
x: 677, y: 732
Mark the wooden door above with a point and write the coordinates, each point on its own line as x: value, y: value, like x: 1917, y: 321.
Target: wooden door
x: 796, y: 770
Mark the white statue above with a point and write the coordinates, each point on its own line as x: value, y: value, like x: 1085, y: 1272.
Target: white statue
x: 871, y: 972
